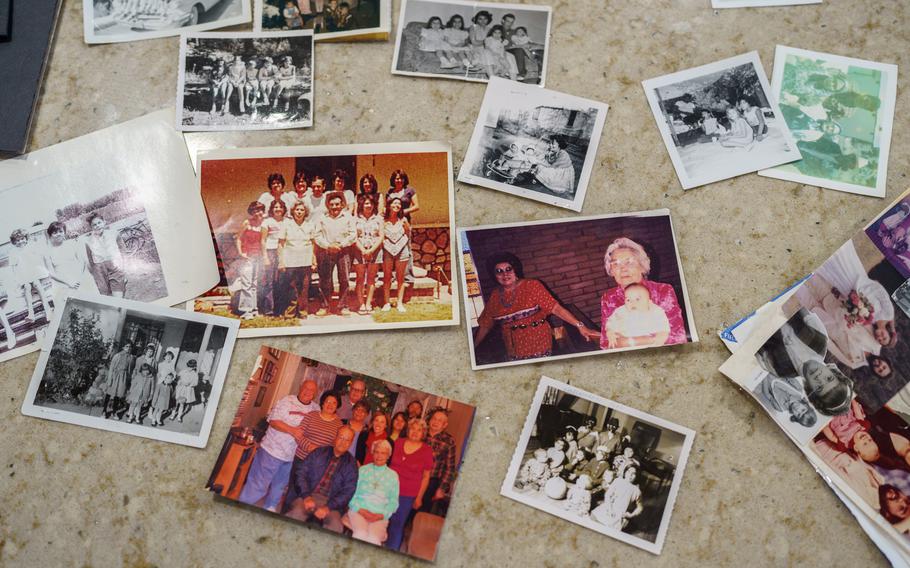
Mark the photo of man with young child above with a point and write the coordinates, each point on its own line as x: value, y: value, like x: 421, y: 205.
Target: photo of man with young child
x: 355, y: 455
x: 554, y: 289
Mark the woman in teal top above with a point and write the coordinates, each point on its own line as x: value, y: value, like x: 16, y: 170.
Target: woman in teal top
x: 376, y: 496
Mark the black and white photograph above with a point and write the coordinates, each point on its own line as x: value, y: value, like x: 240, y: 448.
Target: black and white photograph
x: 599, y: 464
x: 133, y: 368
x: 99, y: 214
x: 901, y: 298
x: 472, y: 41
x: 245, y: 81
x: 112, y: 21
x: 352, y: 20
x: 534, y: 143
x: 720, y: 121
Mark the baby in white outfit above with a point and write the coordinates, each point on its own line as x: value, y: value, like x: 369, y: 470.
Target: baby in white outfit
x: 639, y: 320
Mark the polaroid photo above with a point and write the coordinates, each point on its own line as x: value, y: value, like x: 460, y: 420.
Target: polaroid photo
x: 101, y: 214
x: 840, y: 111
x: 113, y: 21
x: 245, y: 81
x: 473, y: 41
x: 599, y: 464
x: 357, y: 238
x: 131, y: 367
x: 720, y: 120
x: 373, y: 442
x: 759, y: 3
x: 534, y: 143
x: 555, y: 289
x: 339, y: 20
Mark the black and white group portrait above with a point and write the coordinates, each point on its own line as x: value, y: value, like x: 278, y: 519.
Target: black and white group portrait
x: 472, y: 41
x: 719, y: 121
x: 329, y: 19
x: 109, y: 21
x: 245, y: 81
x: 131, y: 367
x: 534, y: 143
x: 599, y: 464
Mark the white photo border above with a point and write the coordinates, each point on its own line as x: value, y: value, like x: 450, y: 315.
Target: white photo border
x: 507, y: 489
x: 181, y: 75
x: 474, y: 5
x: 497, y: 87
x: 384, y: 27
x: 99, y: 423
x: 88, y: 20
x: 690, y: 319
x: 651, y: 85
x: 344, y: 150
x: 889, y: 97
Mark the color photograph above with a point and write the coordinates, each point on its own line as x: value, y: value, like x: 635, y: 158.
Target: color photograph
x: 344, y: 20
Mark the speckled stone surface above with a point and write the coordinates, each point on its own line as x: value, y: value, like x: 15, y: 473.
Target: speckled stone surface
x: 78, y: 497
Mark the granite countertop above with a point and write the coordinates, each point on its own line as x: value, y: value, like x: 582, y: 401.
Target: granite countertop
x: 74, y: 496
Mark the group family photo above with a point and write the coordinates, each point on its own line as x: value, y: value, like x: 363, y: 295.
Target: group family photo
x: 720, y: 121
x: 598, y: 464
x: 355, y: 455
x: 840, y: 111
x: 472, y: 41
x: 132, y: 367
x: 553, y: 289
x: 535, y: 143
x: 230, y: 81
x: 103, y: 245
x: 108, y: 21
x: 351, y: 19
x: 331, y: 241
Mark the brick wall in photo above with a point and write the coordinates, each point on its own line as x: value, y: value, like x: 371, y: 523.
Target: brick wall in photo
x: 569, y: 257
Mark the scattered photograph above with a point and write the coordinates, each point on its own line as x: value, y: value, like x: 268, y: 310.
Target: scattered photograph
x: 554, y: 289
x: 901, y: 297
x: 890, y: 232
x: 349, y: 20
x: 599, y: 464
x: 245, y: 81
x: 84, y: 216
x: 111, y: 21
x: 720, y: 121
x: 349, y: 453
x: 132, y: 367
x: 472, y: 41
x: 534, y: 143
x: 840, y: 111
x: 322, y: 239
x: 759, y: 3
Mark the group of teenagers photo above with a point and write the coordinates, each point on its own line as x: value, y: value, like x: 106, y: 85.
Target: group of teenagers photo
x: 325, y: 226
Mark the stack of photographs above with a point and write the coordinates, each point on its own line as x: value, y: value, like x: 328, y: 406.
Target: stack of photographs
x: 829, y: 361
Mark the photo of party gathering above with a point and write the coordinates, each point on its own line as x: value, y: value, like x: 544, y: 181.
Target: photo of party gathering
x: 552, y: 289
x: 349, y: 241
x: 352, y: 454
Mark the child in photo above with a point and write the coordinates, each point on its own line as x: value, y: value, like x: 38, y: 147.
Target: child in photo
x: 535, y: 472
x: 557, y: 456
x: 105, y: 261
x: 456, y: 41
x: 343, y: 18
x: 520, y: 40
x: 164, y: 389
x: 4, y: 320
x: 624, y: 460
x: 432, y: 40
x: 639, y: 320
x: 578, y: 499
x: 140, y: 393
x: 187, y: 380
x: 740, y: 134
x: 64, y: 259
x: 95, y: 393
x: 329, y: 15
x: 251, y: 88
x: 291, y: 13
x: 496, y: 61
x: 27, y: 264
x: 620, y: 496
x: 218, y: 86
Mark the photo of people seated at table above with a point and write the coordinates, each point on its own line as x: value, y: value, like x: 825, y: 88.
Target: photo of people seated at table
x: 355, y: 455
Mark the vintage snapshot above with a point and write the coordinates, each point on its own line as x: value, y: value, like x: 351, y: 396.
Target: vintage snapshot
x: 352, y: 454
x: 549, y: 290
x: 111, y: 21
x: 599, y: 464
x: 347, y: 20
x: 472, y: 41
x: 132, y: 367
x: 322, y: 239
x: 889, y: 233
x: 534, y: 143
x: 245, y: 81
x: 99, y: 214
x: 759, y: 3
x: 840, y: 111
x: 720, y: 120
